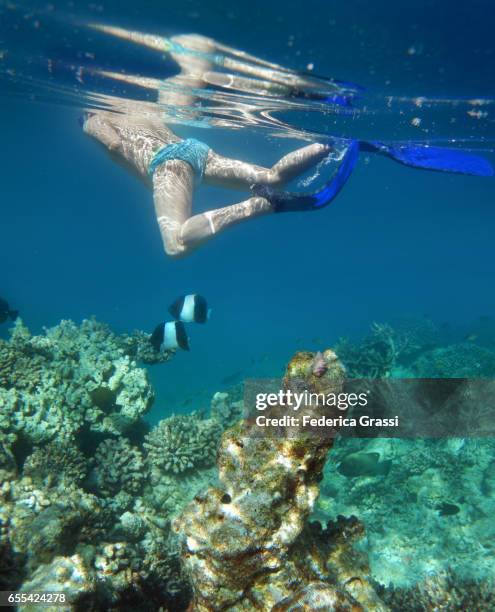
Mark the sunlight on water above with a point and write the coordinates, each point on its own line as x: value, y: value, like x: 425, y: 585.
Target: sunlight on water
x: 237, y: 91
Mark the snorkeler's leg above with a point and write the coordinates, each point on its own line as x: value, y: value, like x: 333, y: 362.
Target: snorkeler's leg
x: 200, y: 228
x: 173, y: 188
x: 283, y: 201
x: 181, y: 233
x: 236, y: 174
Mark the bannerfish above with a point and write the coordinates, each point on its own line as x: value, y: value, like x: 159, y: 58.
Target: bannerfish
x: 364, y: 464
x: 6, y: 312
x: 170, y: 335
x: 191, y: 308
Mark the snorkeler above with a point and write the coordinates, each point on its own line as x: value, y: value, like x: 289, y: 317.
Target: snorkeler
x: 136, y: 132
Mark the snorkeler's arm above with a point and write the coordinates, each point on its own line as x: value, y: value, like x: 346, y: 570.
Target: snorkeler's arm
x: 236, y: 174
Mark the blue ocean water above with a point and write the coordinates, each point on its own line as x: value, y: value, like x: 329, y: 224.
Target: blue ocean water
x: 78, y: 236
x: 79, y: 239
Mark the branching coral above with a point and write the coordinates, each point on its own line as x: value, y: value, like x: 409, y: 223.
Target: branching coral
x: 374, y: 358
x: 386, y: 348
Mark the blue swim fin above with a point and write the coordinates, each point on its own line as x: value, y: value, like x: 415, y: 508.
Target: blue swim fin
x: 432, y: 158
x: 284, y: 201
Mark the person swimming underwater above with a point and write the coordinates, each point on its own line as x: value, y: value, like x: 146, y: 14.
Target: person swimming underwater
x: 174, y: 167
x: 135, y: 133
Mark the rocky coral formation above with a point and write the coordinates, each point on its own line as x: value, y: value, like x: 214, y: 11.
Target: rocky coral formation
x: 244, y: 544
x: 67, y: 575
x: 81, y: 378
x: 56, y: 463
x: 71, y: 512
x: 118, y: 467
x: 138, y: 346
x: 226, y: 409
x: 181, y: 443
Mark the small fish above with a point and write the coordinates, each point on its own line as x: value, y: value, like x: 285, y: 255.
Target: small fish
x: 447, y: 509
x: 364, y: 464
x: 6, y: 312
x: 470, y: 337
x: 170, y: 335
x: 191, y: 308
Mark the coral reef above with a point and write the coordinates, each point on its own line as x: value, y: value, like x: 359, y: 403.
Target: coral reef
x: 94, y: 503
x: 443, y: 498
x: 56, y: 463
x: 85, y: 506
x: 82, y: 379
x: 374, y: 358
x: 226, y: 409
x: 138, y: 346
x: 465, y: 360
x: 386, y: 350
x: 67, y: 575
x: 245, y: 544
x: 181, y: 443
x: 118, y: 467
x: 444, y: 591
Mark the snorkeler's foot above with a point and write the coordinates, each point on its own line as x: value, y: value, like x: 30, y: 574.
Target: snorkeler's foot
x: 284, y: 201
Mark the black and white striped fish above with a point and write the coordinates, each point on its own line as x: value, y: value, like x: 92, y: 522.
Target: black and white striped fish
x: 191, y: 308
x: 170, y: 335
